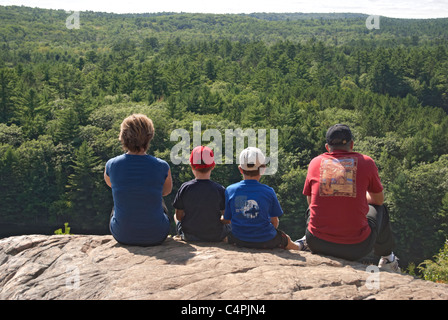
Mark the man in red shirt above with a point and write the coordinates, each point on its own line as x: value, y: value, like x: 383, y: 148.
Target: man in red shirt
x: 346, y: 217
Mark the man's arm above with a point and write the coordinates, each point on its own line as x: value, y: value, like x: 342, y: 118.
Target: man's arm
x: 375, y: 198
x: 308, y: 199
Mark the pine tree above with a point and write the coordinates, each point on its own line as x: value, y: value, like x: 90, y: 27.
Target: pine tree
x: 6, y: 94
x: 82, y: 185
x: 210, y: 70
x: 152, y: 79
x: 68, y: 127
x: 31, y: 115
x: 9, y: 184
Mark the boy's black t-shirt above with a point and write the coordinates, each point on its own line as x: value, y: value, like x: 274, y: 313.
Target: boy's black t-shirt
x: 202, y: 201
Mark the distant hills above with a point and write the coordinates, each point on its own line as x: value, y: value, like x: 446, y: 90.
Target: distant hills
x: 42, y: 25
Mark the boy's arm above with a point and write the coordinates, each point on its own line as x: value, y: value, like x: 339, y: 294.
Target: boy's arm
x: 275, y: 221
x: 275, y: 210
x: 224, y: 221
x: 180, y: 214
x: 226, y: 217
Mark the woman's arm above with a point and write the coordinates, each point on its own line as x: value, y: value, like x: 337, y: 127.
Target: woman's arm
x: 168, y: 185
x: 107, y: 179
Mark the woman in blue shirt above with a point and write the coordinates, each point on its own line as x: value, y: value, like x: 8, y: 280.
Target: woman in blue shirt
x: 138, y: 181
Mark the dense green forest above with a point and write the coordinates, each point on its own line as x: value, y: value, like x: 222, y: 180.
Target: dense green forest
x: 64, y: 92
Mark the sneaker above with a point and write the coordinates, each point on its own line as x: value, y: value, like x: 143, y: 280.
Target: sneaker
x: 302, y: 244
x: 387, y: 265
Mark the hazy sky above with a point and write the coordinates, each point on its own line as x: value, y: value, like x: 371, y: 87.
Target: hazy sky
x: 388, y: 8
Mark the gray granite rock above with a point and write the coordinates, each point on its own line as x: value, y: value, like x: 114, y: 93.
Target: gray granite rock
x: 84, y: 267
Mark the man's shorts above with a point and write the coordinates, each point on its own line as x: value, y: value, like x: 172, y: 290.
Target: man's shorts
x: 279, y: 241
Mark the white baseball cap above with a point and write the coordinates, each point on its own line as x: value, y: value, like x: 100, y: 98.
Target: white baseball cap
x: 251, y: 159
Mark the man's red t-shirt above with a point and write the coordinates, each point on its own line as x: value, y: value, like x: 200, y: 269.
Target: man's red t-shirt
x: 337, y: 183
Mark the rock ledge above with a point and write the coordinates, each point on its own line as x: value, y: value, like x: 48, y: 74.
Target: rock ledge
x: 83, y: 267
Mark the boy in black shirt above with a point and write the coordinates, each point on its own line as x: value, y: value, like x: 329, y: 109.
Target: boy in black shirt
x: 200, y: 202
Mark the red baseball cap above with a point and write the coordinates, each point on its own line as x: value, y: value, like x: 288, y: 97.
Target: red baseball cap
x: 202, y: 157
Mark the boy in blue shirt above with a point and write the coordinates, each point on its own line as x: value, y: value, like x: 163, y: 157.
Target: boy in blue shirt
x: 253, y: 208
x: 199, y: 203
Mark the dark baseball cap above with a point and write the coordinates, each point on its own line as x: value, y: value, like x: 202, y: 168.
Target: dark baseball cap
x: 339, y: 134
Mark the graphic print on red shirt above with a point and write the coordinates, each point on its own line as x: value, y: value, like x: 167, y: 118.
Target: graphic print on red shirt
x: 338, y: 177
